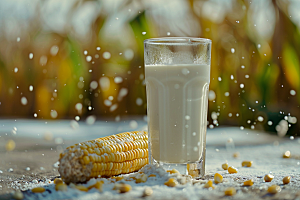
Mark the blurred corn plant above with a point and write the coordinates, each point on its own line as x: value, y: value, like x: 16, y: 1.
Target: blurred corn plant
x: 80, y: 58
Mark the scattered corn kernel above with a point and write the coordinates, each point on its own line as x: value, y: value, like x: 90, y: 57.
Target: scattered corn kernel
x: 247, y: 163
x: 274, y: 189
x: 232, y: 170
x: 171, y: 182
x: 147, y: 192
x: 18, y: 195
x: 10, y: 145
x: 236, y: 155
x: 225, y: 166
x: 124, y: 188
x: 230, y: 191
x: 57, y: 180
x: 249, y: 182
x: 118, y: 178
x: 61, y: 187
x: 81, y: 188
x: 141, y: 178
x: 152, y: 175
x: 173, y: 171
x: 286, y: 180
x: 218, y: 178
x: 38, y: 190
x: 287, y: 154
x: 209, y: 184
x: 268, y: 178
x: 97, y: 185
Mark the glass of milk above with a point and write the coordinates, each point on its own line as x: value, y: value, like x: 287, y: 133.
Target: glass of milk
x: 177, y: 74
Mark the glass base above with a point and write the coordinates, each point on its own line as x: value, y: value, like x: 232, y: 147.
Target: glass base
x: 195, y: 170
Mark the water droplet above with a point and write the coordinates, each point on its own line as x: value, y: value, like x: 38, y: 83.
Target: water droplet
x: 270, y: 123
x: 143, y: 33
x: 118, y: 79
x: 237, y: 114
x: 77, y: 118
x: 242, y: 85
x: 243, y: 66
x: 231, y: 77
x: 30, y: 88
x: 293, y: 92
x: 43, y: 60
x: 88, y: 58
x: 110, y: 98
x: 246, y: 76
x: 90, y: 108
x: 53, y: 114
x: 252, y: 127
x: 226, y: 94
x: 128, y: 54
x: 242, y: 128
x: 187, y: 117
x: 98, y: 48
x: 16, y: 70
x: 104, y: 83
x: 133, y: 124
x: 211, y: 126
x: 139, y: 101
x: 260, y: 118
x: 286, y: 118
x: 219, y: 79
x: 258, y: 46
x: 93, y: 85
x: 78, y: 106
x: 113, y: 107
x: 24, y: 101
x: 85, y: 52
x: 27, y: 168
x: 256, y: 101
x: 122, y: 93
x: 194, y: 133
x: 292, y: 137
x: 237, y: 22
x: 195, y: 148
x: 90, y: 120
x: 117, y: 18
x: 106, y: 55
x: 229, y: 114
x: 107, y: 102
x: 232, y: 50
x: 211, y: 95
x: 214, y: 115
x: 18, y: 39
x: 54, y: 50
x: 35, y: 114
x: 292, y: 120
x: 117, y: 118
x: 90, y: 70
x: 168, y: 33
x: 176, y: 86
x: 30, y: 55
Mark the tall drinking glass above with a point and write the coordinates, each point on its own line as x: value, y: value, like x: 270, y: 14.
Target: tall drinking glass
x: 177, y: 73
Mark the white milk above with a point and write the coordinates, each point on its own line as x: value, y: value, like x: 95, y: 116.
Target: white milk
x: 177, y: 111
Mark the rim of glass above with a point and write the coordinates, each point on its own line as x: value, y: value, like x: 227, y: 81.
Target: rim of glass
x: 177, y: 40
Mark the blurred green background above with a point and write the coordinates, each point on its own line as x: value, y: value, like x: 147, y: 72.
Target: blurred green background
x: 73, y: 59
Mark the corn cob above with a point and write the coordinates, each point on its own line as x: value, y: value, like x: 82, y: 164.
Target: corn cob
x: 108, y: 156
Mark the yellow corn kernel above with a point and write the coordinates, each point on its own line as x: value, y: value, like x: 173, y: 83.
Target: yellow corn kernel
x: 232, y: 170
x: 286, y: 180
x: 274, y: 189
x: 209, y: 184
x: 286, y: 154
x: 104, y: 157
x: 225, y: 166
x: 97, y: 185
x: 61, y: 187
x: 236, y: 155
x: 173, y: 171
x: 81, y: 188
x: 141, y: 178
x: 152, y: 175
x: 247, y: 163
x: 10, y: 145
x: 57, y: 180
x: 230, y: 191
x: 124, y: 188
x: 171, y: 182
x: 218, y: 178
x: 38, y: 190
x: 268, y: 178
x: 249, y: 182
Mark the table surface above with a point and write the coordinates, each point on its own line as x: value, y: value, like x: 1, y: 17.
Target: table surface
x: 35, y: 156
